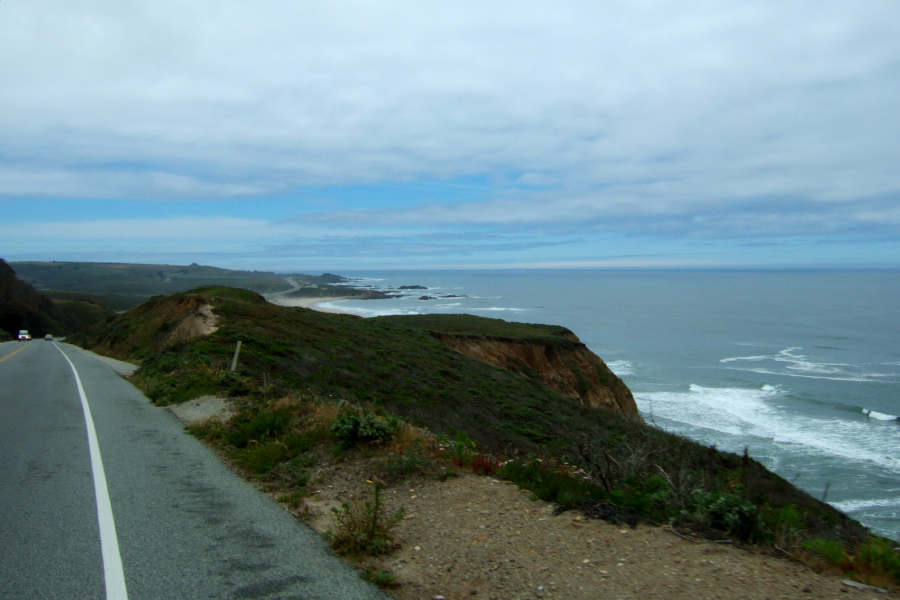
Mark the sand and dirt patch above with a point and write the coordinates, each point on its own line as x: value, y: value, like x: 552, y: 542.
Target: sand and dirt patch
x: 202, y: 409
x: 480, y: 537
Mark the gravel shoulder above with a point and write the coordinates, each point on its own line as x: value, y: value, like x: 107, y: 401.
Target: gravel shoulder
x: 479, y: 537
x: 124, y: 369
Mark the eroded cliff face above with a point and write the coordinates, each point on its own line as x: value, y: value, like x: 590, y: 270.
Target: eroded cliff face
x: 196, y: 318
x: 571, y: 369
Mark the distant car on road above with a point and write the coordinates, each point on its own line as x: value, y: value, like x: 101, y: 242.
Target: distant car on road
x: 48, y: 337
x: 24, y: 336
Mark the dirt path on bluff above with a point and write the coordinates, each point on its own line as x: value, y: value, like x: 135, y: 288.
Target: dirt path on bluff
x: 478, y: 537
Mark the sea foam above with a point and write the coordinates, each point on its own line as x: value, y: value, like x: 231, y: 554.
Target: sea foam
x: 622, y: 368
x: 758, y: 413
x: 852, y: 506
x: 879, y: 416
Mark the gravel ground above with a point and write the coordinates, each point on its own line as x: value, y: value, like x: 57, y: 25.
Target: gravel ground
x: 478, y: 537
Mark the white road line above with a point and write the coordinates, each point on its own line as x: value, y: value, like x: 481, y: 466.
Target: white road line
x: 109, y: 542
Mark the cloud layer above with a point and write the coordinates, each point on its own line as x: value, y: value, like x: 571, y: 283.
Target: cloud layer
x: 572, y: 125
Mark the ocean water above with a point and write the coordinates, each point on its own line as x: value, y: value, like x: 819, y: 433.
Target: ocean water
x: 800, y: 367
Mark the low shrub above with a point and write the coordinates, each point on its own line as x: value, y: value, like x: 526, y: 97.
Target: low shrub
x: 878, y: 555
x: 447, y: 474
x: 462, y: 449
x: 208, y: 430
x: 294, y: 473
x: 257, y: 426
x: 295, y: 499
x: 353, y: 427
x: 876, y: 561
x: 260, y: 459
x: 550, y: 484
x: 786, y: 524
x: 383, y: 579
x: 652, y: 498
x: 364, y: 527
x: 414, y: 461
x: 828, y: 549
x: 728, y: 513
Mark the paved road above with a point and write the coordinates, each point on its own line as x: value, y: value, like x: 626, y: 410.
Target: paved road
x: 185, y: 526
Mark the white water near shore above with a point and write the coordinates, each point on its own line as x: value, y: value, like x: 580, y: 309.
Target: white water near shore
x: 324, y: 304
x: 802, y: 368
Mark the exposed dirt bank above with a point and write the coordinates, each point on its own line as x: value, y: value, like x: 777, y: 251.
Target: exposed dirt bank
x: 572, y: 370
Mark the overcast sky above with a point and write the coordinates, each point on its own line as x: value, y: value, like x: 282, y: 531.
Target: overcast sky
x: 290, y: 135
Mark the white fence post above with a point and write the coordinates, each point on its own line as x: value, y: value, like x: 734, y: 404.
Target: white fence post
x: 237, y: 351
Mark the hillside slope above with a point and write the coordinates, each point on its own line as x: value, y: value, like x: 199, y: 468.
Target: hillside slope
x: 125, y: 285
x: 185, y: 344
x: 23, y: 307
x: 551, y: 354
x: 290, y: 350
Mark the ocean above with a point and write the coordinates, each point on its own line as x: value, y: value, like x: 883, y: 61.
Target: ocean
x: 800, y: 367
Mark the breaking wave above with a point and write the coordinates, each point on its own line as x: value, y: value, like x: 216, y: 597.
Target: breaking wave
x: 757, y: 413
x: 791, y: 363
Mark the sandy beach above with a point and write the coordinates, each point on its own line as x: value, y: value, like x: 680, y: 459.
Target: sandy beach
x: 312, y: 303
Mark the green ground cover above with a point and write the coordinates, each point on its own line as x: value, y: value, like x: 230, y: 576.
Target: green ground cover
x: 375, y: 375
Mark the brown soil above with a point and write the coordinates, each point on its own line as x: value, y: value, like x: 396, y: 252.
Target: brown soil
x: 479, y: 537
x: 202, y: 321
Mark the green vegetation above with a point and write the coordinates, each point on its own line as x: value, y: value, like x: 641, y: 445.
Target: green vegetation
x: 384, y: 579
x: 875, y: 562
x: 828, y: 549
x: 123, y: 286
x: 356, y: 426
x: 462, y: 449
x: 23, y: 307
x: 78, y: 314
x: 313, y: 384
x: 364, y: 527
x: 415, y: 461
x: 480, y: 327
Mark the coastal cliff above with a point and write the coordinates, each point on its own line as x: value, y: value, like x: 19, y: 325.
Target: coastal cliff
x: 571, y: 369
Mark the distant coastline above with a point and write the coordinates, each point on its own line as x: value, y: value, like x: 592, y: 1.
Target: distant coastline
x: 313, y: 303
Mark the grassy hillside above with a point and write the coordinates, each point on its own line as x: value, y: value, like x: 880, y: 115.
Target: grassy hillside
x: 390, y: 370
x: 481, y: 327
x: 23, y: 307
x: 288, y: 350
x: 78, y: 314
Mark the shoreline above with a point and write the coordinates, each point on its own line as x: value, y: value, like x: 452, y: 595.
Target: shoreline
x: 312, y: 303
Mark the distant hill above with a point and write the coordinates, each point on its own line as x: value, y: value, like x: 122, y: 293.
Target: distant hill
x: 24, y: 307
x: 123, y: 285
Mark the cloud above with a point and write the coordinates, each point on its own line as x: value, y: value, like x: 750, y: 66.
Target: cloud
x: 698, y: 118
x: 635, y: 212
x: 186, y: 234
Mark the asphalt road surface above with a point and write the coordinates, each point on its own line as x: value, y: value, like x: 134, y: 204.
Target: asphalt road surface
x: 169, y: 522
